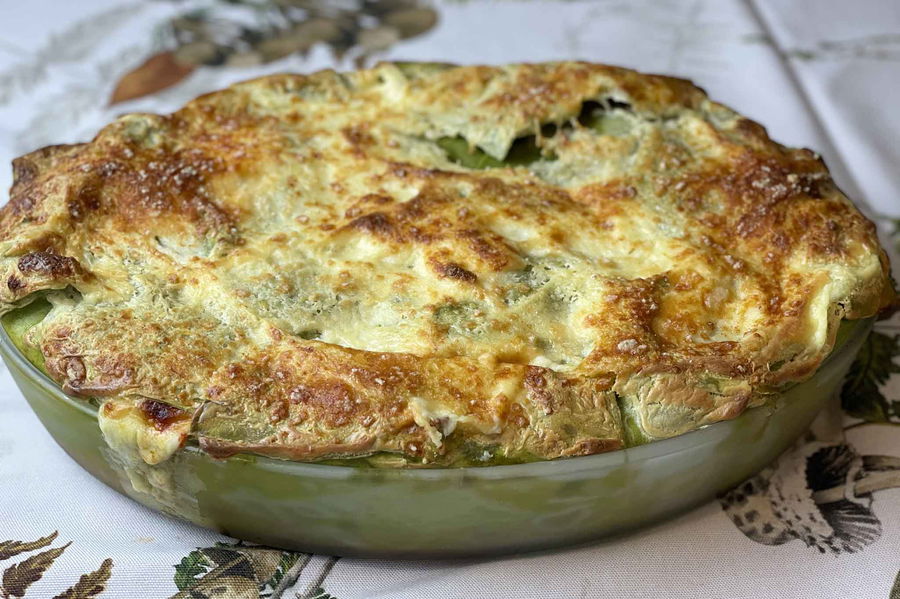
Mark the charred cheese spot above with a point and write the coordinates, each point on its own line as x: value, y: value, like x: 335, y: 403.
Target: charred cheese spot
x: 162, y: 415
x: 47, y: 264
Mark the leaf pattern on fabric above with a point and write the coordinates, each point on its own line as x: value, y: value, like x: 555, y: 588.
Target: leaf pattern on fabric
x: 885, y: 46
x: 91, y: 584
x: 192, y: 566
x: 861, y: 395
x: 72, y: 44
x: 315, y: 590
x: 10, y: 549
x: 242, y: 33
x: 157, y: 73
x: 895, y: 590
x: 320, y: 593
x: 237, y: 571
x: 230, y: 579
x: 18, y: 577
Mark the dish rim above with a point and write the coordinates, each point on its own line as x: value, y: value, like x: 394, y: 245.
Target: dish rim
x: 690, y: 440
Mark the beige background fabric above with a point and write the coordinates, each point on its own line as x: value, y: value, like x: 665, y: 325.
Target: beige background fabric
x: 818, y: 73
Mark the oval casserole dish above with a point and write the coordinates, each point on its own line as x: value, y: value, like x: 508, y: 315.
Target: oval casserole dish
x: 446, y: 512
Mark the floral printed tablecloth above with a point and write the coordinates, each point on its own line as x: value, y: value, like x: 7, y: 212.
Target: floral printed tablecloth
x: 823, y: 74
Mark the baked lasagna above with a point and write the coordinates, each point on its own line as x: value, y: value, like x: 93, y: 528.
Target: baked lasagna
x: 432, y: 265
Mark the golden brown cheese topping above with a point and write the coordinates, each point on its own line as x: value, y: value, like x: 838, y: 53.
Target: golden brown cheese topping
x: 450, y: 264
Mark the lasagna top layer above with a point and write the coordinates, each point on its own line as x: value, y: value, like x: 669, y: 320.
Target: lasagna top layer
x: 438, y: 264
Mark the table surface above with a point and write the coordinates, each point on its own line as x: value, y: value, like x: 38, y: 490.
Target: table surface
x: 822, y: 74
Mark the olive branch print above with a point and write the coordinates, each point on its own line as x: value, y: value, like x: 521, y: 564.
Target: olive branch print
x: 16, y: 579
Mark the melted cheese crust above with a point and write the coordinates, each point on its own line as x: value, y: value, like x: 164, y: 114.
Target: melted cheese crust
x: 299, y: 266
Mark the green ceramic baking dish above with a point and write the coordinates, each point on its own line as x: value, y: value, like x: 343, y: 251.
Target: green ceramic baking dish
x: 428, y: 513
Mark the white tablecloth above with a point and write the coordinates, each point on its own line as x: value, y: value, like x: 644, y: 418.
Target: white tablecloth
x: 823, y: 74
